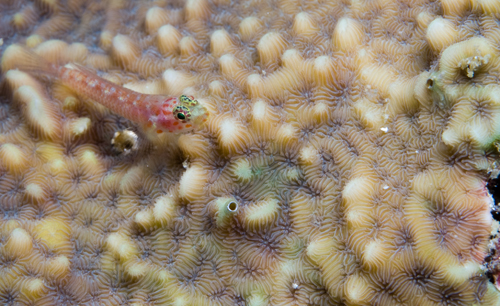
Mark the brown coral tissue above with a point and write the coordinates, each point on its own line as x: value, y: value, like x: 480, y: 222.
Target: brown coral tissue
x: 345, y: 160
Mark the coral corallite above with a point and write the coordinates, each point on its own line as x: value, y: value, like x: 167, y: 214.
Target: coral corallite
x: 344, y: 160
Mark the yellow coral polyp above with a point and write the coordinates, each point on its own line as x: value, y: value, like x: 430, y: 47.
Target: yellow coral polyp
x: 41, y: 114
x: 13, y: 157
x: 121, y: 246
x: 19, y: 243
x: 261, y: 214
x: 55, y: 233
x: 168, y: 39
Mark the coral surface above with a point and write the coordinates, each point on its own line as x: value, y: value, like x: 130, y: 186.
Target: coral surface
x: 344, y: 160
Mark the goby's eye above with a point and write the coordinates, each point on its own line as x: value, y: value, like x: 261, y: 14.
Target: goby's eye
x: 182, y: 113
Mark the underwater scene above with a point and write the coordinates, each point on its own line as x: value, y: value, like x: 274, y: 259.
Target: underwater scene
x: 252, y: 152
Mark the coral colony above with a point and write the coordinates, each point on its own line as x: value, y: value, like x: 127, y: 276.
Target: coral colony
x: 253, y: 152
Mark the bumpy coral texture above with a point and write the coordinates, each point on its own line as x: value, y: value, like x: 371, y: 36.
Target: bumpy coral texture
x: 344, y: 161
